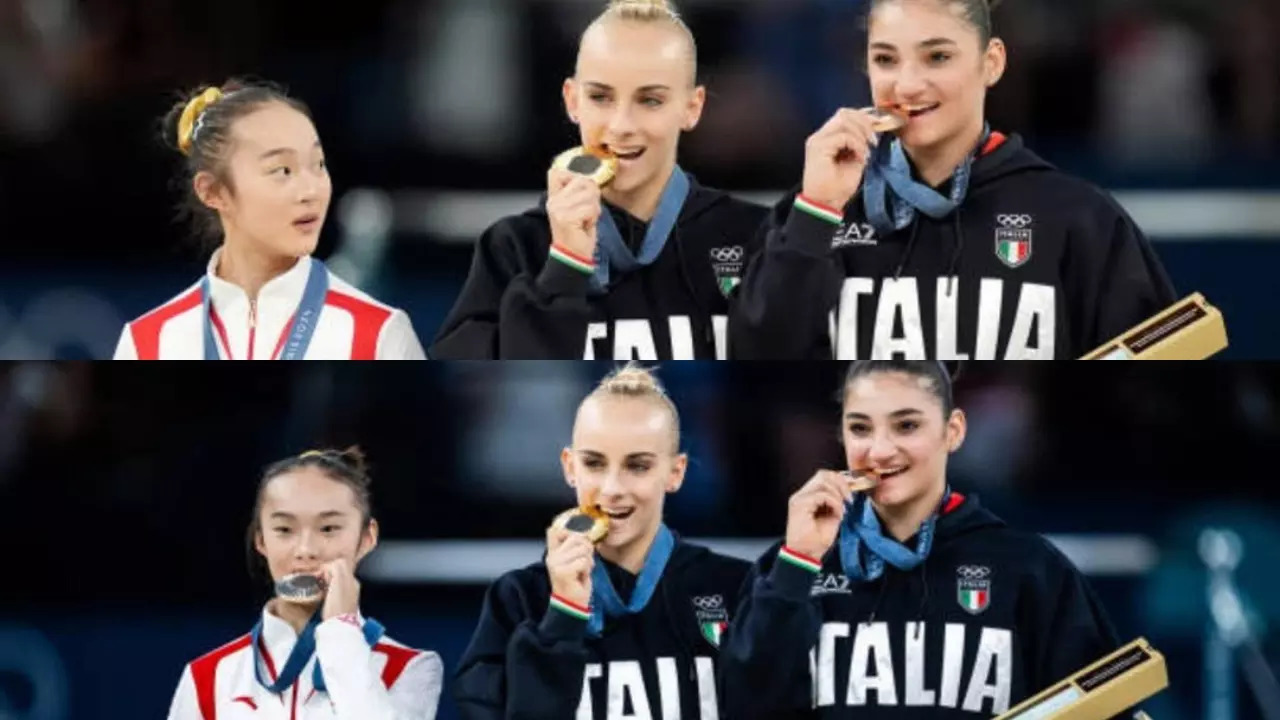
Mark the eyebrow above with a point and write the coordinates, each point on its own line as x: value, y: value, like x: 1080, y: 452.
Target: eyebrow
x: 630, y: 456
x: 283, y: 151
x: 282, y: 515
x: 931, y: 42
x: 894, y: 415
x: 645, y: 88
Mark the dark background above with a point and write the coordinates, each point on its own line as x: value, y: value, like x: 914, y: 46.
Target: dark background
x: 124, y: 494
x: 439, y: 116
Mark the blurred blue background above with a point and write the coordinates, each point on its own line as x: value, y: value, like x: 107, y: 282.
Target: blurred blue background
x: 124, y: 495
x: 440, y: 116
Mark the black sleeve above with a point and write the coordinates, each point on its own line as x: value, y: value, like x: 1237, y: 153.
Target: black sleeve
x: 764, y: 656
x: 521, y: 666
x: 1120, y: 285
x: 790, y: 287
x: 1071, y: 628
x: 506, y: 311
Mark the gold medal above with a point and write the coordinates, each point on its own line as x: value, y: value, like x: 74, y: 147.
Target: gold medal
x: 861, y: 480
x: 598, y: 165
x: 588, y: 520
x: 886, y: 119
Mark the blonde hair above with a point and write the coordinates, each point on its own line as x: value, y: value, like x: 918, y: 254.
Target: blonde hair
x: 644, y: 10
x: 650, y: 11
x: 634, y: 381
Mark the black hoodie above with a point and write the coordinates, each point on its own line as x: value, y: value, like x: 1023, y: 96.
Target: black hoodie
x: 992, y: 617
x: 515, y: 304
x: 1035, y: 264
x: 529, y: 660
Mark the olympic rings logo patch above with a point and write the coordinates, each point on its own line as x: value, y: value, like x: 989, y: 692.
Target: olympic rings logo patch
x: 1014, y: 221
x: 727, y: 254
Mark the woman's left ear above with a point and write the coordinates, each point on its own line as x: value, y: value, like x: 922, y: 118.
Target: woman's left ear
x: 696, y: 104
x: 678, y: 468
x: 957, y: 425
x: 995, y: 62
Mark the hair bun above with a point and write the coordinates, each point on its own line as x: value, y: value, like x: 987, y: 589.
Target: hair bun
x: 354, y: 458
x: 643, y: 9
x: 657, y: 5
x: 632, y: 380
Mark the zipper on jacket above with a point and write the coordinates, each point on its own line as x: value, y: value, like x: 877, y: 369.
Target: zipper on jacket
x: 253, y: 325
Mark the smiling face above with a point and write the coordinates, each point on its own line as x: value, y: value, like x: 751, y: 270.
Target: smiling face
x: 895, y: 425
x: 929, y: 58
x: 633, y: 93
x: 624, y: 459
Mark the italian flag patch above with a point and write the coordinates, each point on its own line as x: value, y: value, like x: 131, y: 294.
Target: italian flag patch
x: 973, y: 600
x: 973, y: 587
x: 712, y: 631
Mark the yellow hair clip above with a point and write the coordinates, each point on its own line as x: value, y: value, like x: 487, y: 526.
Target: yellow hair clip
x: 191, y: 116
x: 309, y: 453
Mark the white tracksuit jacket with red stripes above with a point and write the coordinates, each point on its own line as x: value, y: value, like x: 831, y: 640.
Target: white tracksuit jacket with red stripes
x: 352, y: 325
x: 386, y: 682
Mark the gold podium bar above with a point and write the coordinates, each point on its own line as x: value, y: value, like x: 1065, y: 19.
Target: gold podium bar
x: 1106, y: 688
x: 1190, y: 329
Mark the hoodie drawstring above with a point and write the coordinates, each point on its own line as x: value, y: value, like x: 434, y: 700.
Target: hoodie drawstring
x: 708, y: 333
x: 954, y: 265
x: 685, y: 647
x: 924, y: 597
x: 911, y: 246
x: 884, y: 586
x: 921, y: 609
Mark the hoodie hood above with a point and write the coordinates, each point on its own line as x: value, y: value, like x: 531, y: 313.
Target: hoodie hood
x: 1003, y: 156
x: 968, y: 516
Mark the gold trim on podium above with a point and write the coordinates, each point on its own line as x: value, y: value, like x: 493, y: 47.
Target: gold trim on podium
x: 1102, y: 690
x: 1190, y: 329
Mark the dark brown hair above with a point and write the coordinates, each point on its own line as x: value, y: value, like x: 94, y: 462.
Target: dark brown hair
x: 199, y: 127
x: 347, y: 467
x: 939, y: 377
x: 975, y: 12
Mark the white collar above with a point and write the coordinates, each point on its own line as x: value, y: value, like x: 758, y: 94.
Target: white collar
x: 285, y: 289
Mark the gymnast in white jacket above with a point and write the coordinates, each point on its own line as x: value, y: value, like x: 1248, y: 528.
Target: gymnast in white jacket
x: 257, y: 189
x: 312, y: 654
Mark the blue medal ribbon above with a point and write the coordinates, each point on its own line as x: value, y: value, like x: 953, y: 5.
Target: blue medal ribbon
x: 612, y: 251
x: 605, y: 601
x: 891, y: 197
x: 864, y: 549
x: 302, y: 651
x: 304, y: 320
